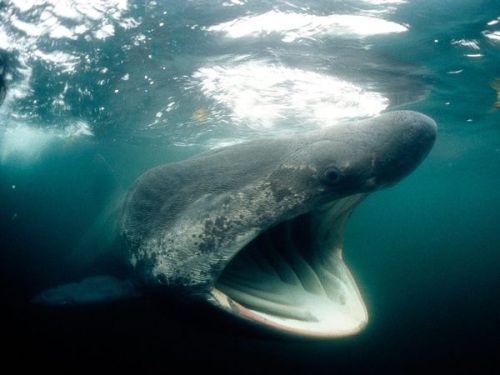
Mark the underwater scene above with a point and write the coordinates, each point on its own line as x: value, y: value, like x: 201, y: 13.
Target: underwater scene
x: 250, y: 186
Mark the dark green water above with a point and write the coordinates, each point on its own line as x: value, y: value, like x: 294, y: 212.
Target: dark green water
x: 117, y: 88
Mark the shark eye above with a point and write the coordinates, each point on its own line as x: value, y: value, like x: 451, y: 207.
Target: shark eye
x: 332, y: 175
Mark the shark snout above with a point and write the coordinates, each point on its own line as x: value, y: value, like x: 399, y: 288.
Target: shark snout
x: 402, y: 140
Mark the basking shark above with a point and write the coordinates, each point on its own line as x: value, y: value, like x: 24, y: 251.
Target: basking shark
x: 256, y: 228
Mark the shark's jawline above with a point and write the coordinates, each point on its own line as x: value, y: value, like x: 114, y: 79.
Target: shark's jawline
x: 292, y: 277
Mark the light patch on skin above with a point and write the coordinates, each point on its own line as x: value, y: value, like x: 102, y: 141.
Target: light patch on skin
x: 373, y: 160
x: 190, y: 233
x: 300, y: 167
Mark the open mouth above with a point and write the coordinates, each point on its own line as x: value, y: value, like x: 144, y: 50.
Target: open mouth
x: 292, y: 277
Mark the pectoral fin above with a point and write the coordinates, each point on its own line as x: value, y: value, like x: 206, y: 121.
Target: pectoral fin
x: 94, y: 289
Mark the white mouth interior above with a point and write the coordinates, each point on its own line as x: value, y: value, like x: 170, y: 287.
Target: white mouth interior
x: 293, y: 278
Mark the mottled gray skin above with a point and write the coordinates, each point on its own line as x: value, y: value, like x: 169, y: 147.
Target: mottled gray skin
x: 184, y: 221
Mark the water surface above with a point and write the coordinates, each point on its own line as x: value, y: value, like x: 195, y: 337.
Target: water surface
x: 96, y: 92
